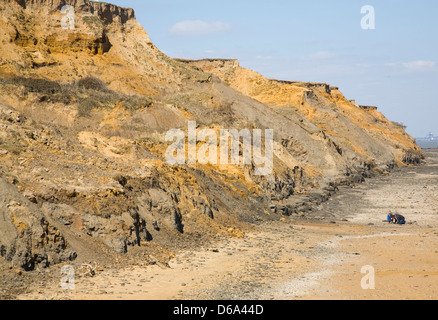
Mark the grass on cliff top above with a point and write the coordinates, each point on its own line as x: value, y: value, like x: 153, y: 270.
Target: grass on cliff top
x: 87, y: 93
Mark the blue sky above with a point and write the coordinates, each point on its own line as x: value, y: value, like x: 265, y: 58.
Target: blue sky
x: 394, y: 66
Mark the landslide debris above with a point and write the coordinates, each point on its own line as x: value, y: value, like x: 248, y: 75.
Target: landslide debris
x: 83, y: 117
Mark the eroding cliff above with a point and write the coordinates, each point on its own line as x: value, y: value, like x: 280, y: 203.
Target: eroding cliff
x: 84, y: 113
x: 355, y: 129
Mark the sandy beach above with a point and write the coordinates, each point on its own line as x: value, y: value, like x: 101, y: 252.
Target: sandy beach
x: 320, y: 258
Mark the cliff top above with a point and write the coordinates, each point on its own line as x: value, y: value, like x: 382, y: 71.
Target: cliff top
x: 106, y: 11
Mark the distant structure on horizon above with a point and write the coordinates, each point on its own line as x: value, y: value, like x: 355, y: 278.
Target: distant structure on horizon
x: 429, y: 142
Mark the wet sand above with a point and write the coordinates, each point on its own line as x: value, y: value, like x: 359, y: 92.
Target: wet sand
x: 318, y: 258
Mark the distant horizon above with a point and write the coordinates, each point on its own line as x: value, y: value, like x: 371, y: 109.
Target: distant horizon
x: 431, y: 133
x: 393, y: 66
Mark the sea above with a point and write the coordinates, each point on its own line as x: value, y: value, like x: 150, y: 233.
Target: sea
x: 426, y: 144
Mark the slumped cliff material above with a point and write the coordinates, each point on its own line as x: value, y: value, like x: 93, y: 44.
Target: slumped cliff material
x: 83, y: 118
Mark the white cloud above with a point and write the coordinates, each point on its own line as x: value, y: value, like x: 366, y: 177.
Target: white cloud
x: 321, y: 55
x: 264, y: 57
x: 198, y: 28
x: 418, y: 65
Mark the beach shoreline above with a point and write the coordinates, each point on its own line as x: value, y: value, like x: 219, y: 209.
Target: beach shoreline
x: 318, y: 258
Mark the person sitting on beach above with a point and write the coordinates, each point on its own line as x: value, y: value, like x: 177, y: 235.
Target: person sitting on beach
x: 389, y: 218
x: 397, y: 219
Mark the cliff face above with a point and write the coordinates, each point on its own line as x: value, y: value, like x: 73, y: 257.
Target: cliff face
x: 355, y: 129
x: 84, y: 113
x: 40, y: 40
